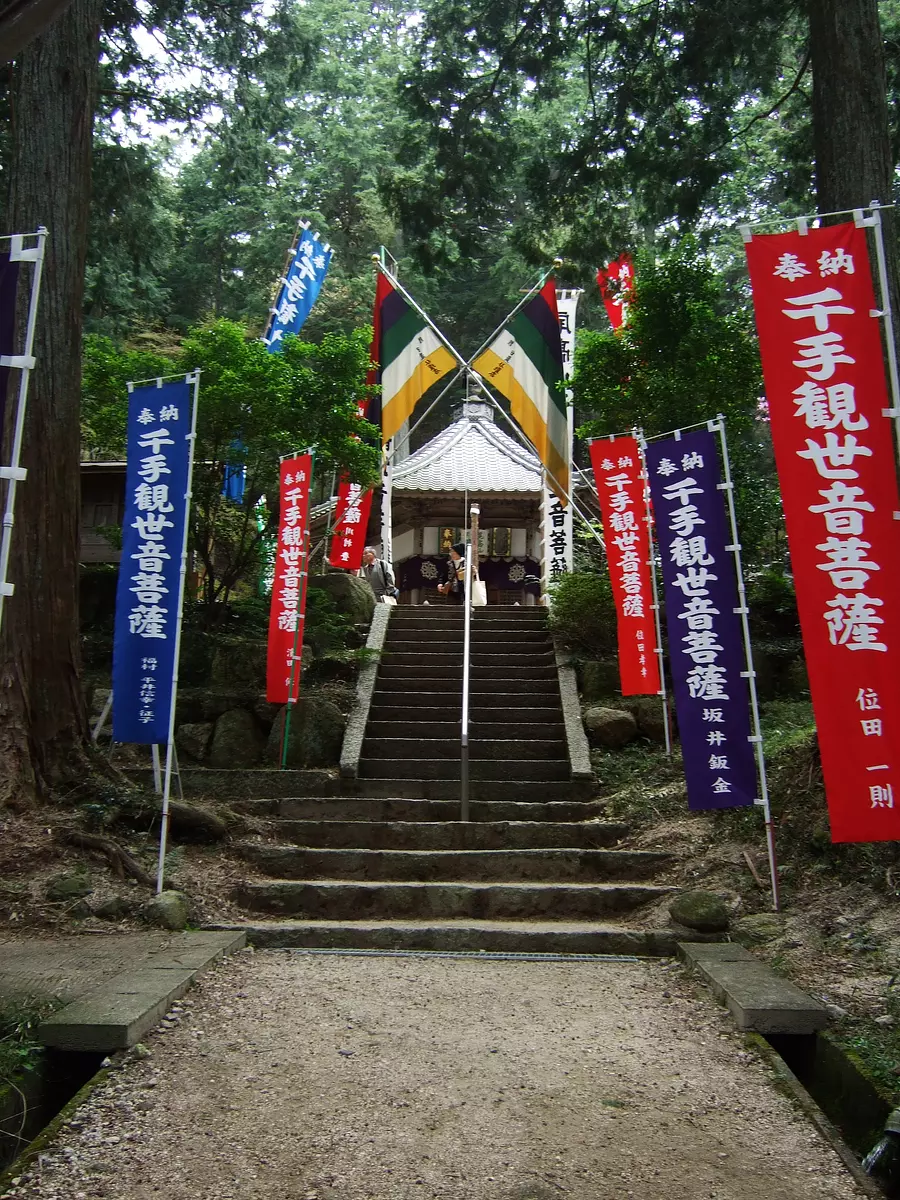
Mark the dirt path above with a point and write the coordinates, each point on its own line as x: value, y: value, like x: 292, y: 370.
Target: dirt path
x: 290, y: 1077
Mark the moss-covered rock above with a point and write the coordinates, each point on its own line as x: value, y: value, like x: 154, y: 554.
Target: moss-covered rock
x: 73, y: 885
x: 193, y: 738
x: 648, y: 712
x: 237, y: 741
x: 169, y: 910
x: 239, y: 664
x: 598, y: 679
x: 351, y: 595
x: 610, y: 727
x: 758, y: 928
x: 703, y: 911
x: 316, y: 733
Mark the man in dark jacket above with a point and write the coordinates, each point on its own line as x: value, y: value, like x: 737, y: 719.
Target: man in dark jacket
x: 377, y: 574
x: 455, y: 585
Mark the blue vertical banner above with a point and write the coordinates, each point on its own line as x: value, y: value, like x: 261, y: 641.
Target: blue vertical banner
x: 300, y: 288
x: 148, y: 599
x: 706, y: 646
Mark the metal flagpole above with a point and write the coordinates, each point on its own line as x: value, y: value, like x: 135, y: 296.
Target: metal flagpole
x: 301, y: 618
x: 193, y: 377
x: 718, y: 426
x: 657, y: 617
x: 387, y: 490
x: 14, y: 473
x: 886, y: 313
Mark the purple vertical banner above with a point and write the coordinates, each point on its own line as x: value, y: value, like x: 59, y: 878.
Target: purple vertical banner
x: 9, y: 279
x: 149, y: 589
x: 706, y: 647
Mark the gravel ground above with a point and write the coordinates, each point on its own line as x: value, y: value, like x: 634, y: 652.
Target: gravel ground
x: 289, y: 1077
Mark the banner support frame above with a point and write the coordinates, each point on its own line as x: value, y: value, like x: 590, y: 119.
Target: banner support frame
x: 887, y: 315
x: 718, y: 426
x: 25, y: 365
x: 190, y: 377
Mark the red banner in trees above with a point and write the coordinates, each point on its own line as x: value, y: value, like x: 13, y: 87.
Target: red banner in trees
x: 289, y: 585
x: 618, y: 471
x: 616, y: 283
x: 351, y: 519
x: 825, y: 385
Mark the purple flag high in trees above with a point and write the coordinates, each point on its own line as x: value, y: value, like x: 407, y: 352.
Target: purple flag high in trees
x: 706, y: 647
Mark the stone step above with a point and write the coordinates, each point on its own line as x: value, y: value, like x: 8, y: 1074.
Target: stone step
x: 511, y: 771
x: 420, y: 809
x: 440, y: 727
x: 529, y: 791
x: 486, y: 684
x: 451, y: 834
x: 423, y: 666
x: 419, y: 661
x: 394, y: 707
x: 336, y: 900
x: 480, y: 749
x: 454, y: 612
x: 543, y: 864
x: 415, y: 634
x: 496, y: 937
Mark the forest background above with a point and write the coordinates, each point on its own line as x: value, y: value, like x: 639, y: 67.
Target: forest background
x: 476, y: 142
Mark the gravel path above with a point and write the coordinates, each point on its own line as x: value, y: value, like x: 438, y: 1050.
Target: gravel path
x: 289, y: 1077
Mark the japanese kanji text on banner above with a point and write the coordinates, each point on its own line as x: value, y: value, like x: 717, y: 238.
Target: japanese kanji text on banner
x: 147, y: 598
x: 289, y: 585
x: 825, y: 386
x: 620, y: 487
x: 706, y: 646
x: 351, y: 519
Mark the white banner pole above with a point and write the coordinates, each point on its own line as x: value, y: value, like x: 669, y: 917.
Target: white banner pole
x: 651, y: 562
x: 718, y: 426
x: 194, y: 377
x: 886, y: 314
x: 14, y: 473
x: 387, y: 528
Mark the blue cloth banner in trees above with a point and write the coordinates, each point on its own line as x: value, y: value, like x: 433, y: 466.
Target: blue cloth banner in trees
x: 149, y: 591
x: 706, y: 648
x: 299, y: 289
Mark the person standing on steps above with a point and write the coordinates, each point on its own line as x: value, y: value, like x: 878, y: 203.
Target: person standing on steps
x: 455, y: 585
x: 379, y: 576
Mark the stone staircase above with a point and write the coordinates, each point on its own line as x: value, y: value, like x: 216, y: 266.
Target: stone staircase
x: 392, y: 866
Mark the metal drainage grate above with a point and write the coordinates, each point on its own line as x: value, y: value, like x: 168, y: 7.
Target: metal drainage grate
x: 480, y: 955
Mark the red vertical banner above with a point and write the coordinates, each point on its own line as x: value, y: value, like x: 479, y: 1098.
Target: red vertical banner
x: 616, y: 283
x: 289, y: 585
x: 351, y: 519
x: 820, y: 341
x: 619, y: 474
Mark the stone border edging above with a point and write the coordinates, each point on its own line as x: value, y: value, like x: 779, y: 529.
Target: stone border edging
x: 576, y: 738
x: 355, y: 733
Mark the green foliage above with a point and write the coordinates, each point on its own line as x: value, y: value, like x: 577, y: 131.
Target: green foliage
x: 105, y: 371
x: 583, y: 612
x: 20, y: 1050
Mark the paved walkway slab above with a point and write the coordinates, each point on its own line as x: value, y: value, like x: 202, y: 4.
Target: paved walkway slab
x: 757, y: 998
x: 112, y: 988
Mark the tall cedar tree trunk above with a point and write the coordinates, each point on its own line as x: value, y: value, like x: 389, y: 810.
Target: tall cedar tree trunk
x: 42, y: 715
x: 852, y: 140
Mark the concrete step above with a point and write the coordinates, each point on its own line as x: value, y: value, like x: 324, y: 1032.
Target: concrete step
x: 336, y: 900
x: 430, y: 866
x: 443, y: 728
x: 400, y: 679
x: 480, y: 748
x: 511, y: 771
x: 451, y: 834
x: 421, y: 810
x: 438, y: 660
x: 415, y: 634
x: 497, y: 937
x: 454, y: 612
x: 529, y: 791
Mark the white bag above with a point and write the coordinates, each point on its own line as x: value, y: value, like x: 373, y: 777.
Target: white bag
x: 479, y: 594
x: 388, y: 599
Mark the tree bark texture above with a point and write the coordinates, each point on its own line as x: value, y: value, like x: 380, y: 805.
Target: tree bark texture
x: 42, y: 715
x: 851, y: 133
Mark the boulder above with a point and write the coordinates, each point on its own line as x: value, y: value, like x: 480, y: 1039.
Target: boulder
x: 72, y: 885
x: 240, y: 664
x: 113, y: 909
x: 598, y: 679
x: 193, y: 739
x: 610, y: 727
x: 351, y: 595
x: 757, y: 928
x: 315, y: 736
x: 168, y: 910
x: 237, y: 741
x: 648, y: 712
x: 703, y: 911
x: 196, y: 705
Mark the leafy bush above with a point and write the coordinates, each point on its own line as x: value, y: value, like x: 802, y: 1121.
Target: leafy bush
x: 583, y: 612
x: 773, y: 604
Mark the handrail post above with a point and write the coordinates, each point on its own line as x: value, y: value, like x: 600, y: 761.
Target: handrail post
x: 467, y: 639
